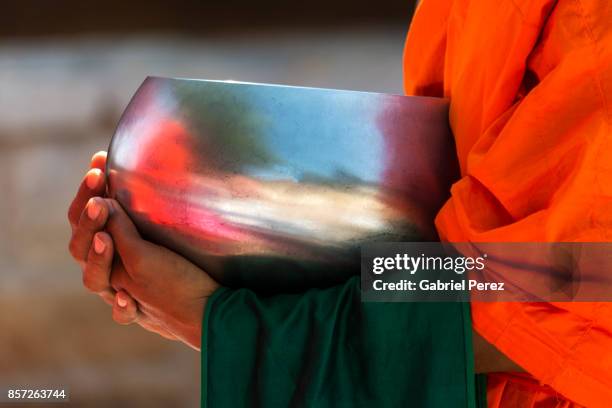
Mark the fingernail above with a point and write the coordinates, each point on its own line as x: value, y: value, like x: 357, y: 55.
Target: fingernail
x: 93, y: 178
x: 121, y: 302
x: 95, y: 156
x: 99, y: 245
x: 93, y: 209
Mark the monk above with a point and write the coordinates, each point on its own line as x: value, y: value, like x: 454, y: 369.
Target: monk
x: 529, y: 86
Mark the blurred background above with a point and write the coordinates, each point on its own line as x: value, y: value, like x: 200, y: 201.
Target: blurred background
x: 67, y: 70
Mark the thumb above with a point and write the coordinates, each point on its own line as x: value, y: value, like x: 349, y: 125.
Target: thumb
x: 126, y: 238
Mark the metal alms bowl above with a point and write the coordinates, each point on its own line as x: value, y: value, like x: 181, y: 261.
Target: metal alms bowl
x: 276, y: 187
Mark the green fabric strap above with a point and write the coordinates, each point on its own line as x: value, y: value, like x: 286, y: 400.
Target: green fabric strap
x: 325, y: 348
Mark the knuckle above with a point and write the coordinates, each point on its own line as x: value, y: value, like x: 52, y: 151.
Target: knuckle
x: 73, y: 248
x: 93, y: 279
x: 95, y: 261
x: 89, y: 282
x: 70, y: 215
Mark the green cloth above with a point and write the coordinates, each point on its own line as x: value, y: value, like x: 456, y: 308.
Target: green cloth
x: 325, y: 348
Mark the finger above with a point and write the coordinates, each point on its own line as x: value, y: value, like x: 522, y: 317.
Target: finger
x: 119, y: 278
x: 128, y: 242
x: 97, y: 270
x: 125, y: 310
x: 98, y: 160
x: 90, y: 186
x: 93, y: 184
x: 93, y: 218
x: 108, y: 296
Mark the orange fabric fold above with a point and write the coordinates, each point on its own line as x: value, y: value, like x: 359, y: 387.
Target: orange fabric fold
x: 529, y: 82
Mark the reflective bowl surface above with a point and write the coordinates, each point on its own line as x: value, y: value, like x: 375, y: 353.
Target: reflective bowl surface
x: 276, y: 187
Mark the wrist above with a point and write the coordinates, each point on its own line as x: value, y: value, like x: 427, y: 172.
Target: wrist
x: 192, y: 329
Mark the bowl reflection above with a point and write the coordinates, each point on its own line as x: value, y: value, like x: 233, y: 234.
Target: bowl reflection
x: 276, y: 187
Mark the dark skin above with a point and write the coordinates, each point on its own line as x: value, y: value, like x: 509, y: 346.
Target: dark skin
x: 144, y: 283
x: 154, y: 287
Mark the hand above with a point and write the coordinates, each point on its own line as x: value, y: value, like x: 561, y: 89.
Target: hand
x: 168, y: 291
x: 171, y: 303
x: 87, y: 217
x: 85, y: 223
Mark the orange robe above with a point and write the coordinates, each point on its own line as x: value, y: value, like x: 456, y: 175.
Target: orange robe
x: 530, y: 86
